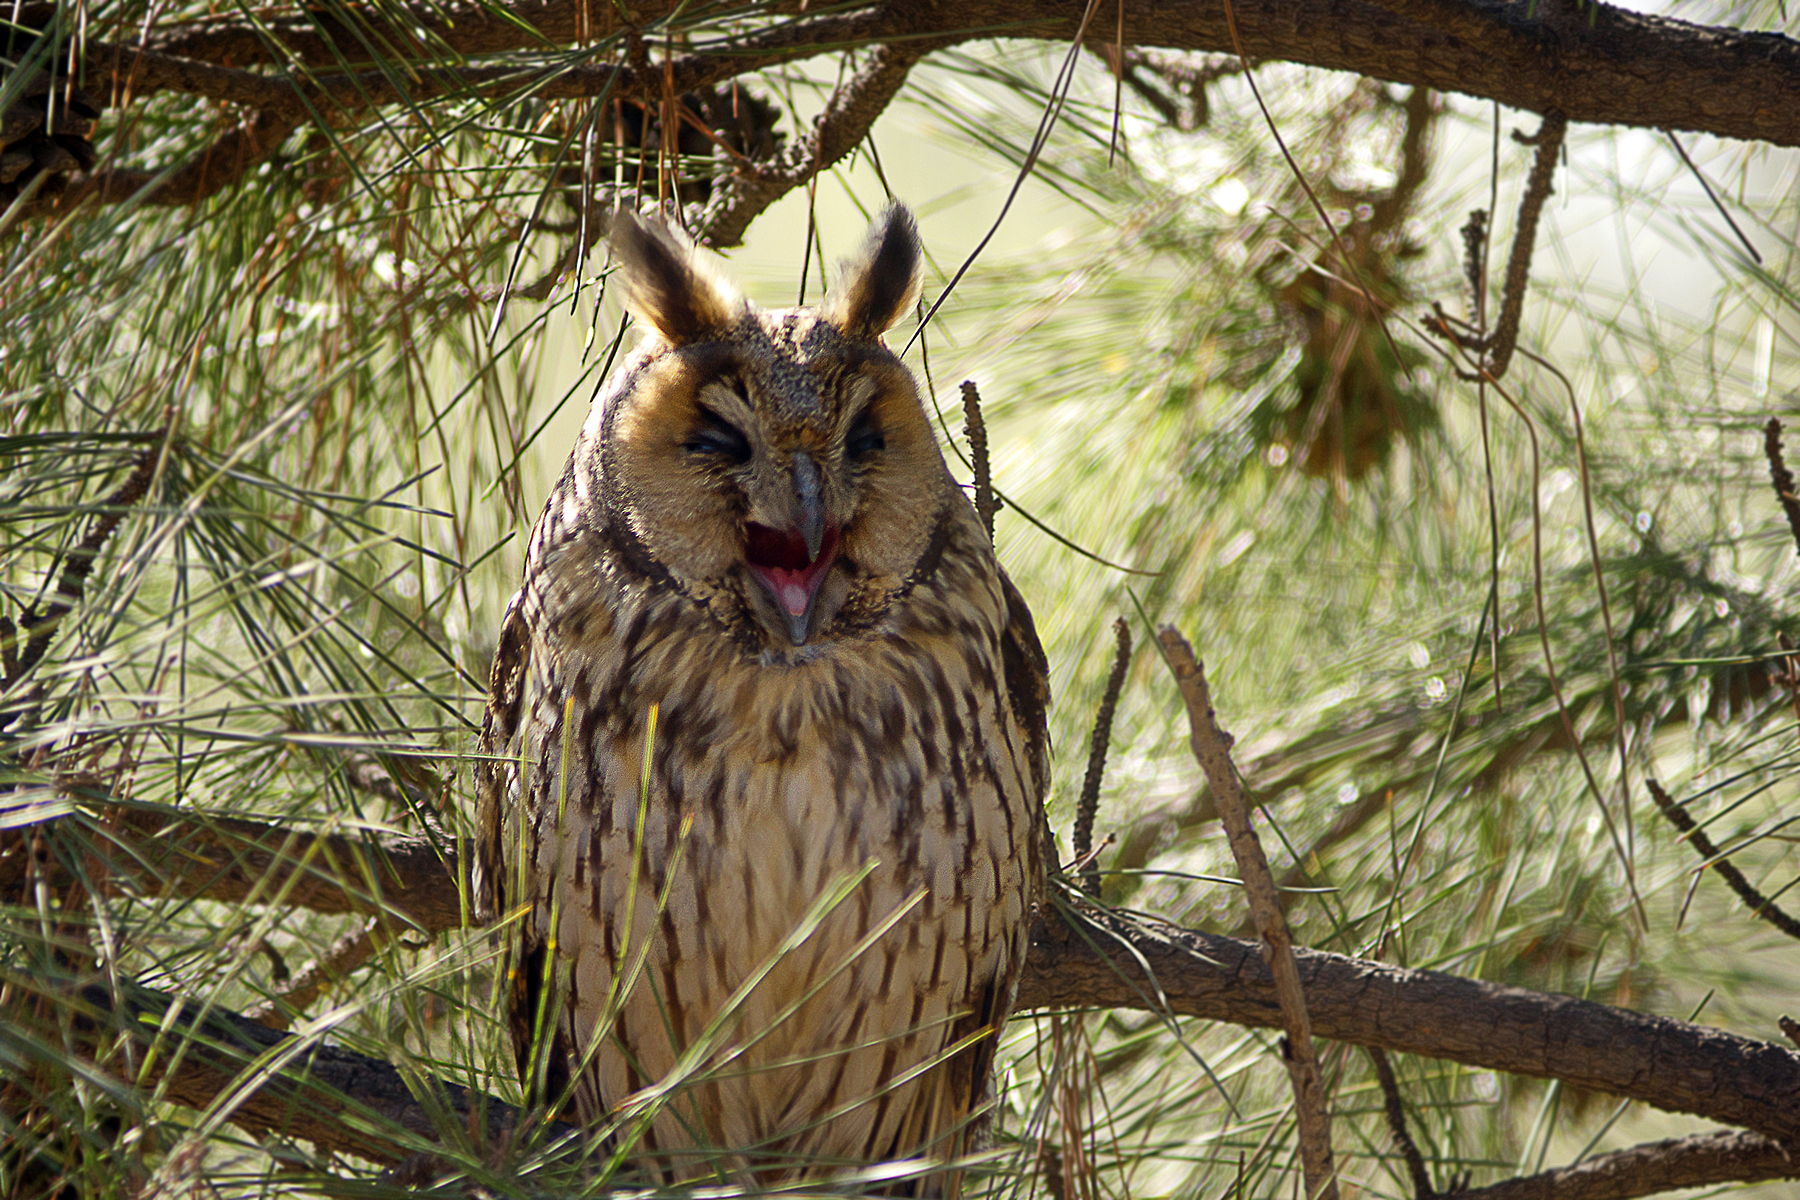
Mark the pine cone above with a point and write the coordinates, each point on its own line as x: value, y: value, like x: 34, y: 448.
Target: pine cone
x: 46, y: 133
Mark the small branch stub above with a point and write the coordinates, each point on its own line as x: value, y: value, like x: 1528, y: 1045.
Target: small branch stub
x: 1089, y: 804
x: 986, y: 505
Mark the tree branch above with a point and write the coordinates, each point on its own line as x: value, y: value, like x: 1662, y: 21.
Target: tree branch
x: 1087, y: 959
x: 1758, y: 904
x: 1702, y: 1160
x: 204, y: 175
x: 1104, y: 960
x: 181, y: 852
x: 335, y: 1098
x: 1609, y: 66
x: 845, y: 122
x: 1498, y: 348
x: 318, y: 1086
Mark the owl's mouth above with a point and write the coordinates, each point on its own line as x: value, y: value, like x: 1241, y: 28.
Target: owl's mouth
x: 780, y: 561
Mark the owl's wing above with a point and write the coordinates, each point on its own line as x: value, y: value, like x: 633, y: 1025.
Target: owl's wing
x: 1027, y: 684
x: 497, y: 771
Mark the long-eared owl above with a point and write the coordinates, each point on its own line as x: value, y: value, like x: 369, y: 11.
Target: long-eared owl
x: 765, y: 753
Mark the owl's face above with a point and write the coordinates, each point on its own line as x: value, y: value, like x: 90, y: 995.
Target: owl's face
x: 777, y: 465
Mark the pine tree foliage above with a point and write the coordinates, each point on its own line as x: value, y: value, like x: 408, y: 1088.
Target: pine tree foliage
x: 267, y: 455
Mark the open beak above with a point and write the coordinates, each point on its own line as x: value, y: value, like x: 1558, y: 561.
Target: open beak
x: 792, y: 563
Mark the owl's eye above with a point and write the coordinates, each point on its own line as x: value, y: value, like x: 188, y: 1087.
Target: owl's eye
x: 716, y: 435
x: 865, y: 437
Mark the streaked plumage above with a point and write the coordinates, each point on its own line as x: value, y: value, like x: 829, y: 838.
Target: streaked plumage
x: 763, y: 650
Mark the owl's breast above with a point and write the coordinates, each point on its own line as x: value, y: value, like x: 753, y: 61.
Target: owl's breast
x: 829, y: 850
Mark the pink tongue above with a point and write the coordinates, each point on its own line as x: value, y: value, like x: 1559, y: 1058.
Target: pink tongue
x: 793, y: 595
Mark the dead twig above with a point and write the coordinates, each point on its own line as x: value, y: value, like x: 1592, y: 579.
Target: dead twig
x: 1185, y: 76
x: 1717, y: 203
x: 1212, y: 748
x: 1759, y: 905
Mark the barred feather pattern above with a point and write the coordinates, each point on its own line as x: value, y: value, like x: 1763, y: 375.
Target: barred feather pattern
x: 772, y: 899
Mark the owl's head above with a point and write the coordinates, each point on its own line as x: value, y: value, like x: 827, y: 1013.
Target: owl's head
x: 778, y: 466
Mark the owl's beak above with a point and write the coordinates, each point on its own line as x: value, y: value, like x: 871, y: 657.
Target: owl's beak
x: 809, y: 507
x: 792, y: 563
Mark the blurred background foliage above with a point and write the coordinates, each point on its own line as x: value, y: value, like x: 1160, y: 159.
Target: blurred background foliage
x: 321, y: 429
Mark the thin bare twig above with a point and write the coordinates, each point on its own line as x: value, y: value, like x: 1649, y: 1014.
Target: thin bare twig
x: 1759, y: 905
x: 1212, y: 748
x: 1621, y: 727
x: 1443, y: 326
x: 1184, y: 76
x: 345, y: 955
x: 1713, y: 196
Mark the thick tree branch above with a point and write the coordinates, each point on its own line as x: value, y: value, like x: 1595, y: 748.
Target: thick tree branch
x: 335, y: 1098
x: 1703, y: 1160
x: 207, y: 173
x: 1604, y: 65
x: 1095, y: 960
x: 318, y: 1086
x: 185, y: 853
x: 1674, y: 1065
x: 1609, y: 66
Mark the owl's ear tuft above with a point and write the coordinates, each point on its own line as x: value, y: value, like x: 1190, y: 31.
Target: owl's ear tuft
x: 668, y: 285
x: 875, y: 288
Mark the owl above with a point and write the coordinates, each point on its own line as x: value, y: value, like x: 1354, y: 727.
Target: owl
x: 764, y: 757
